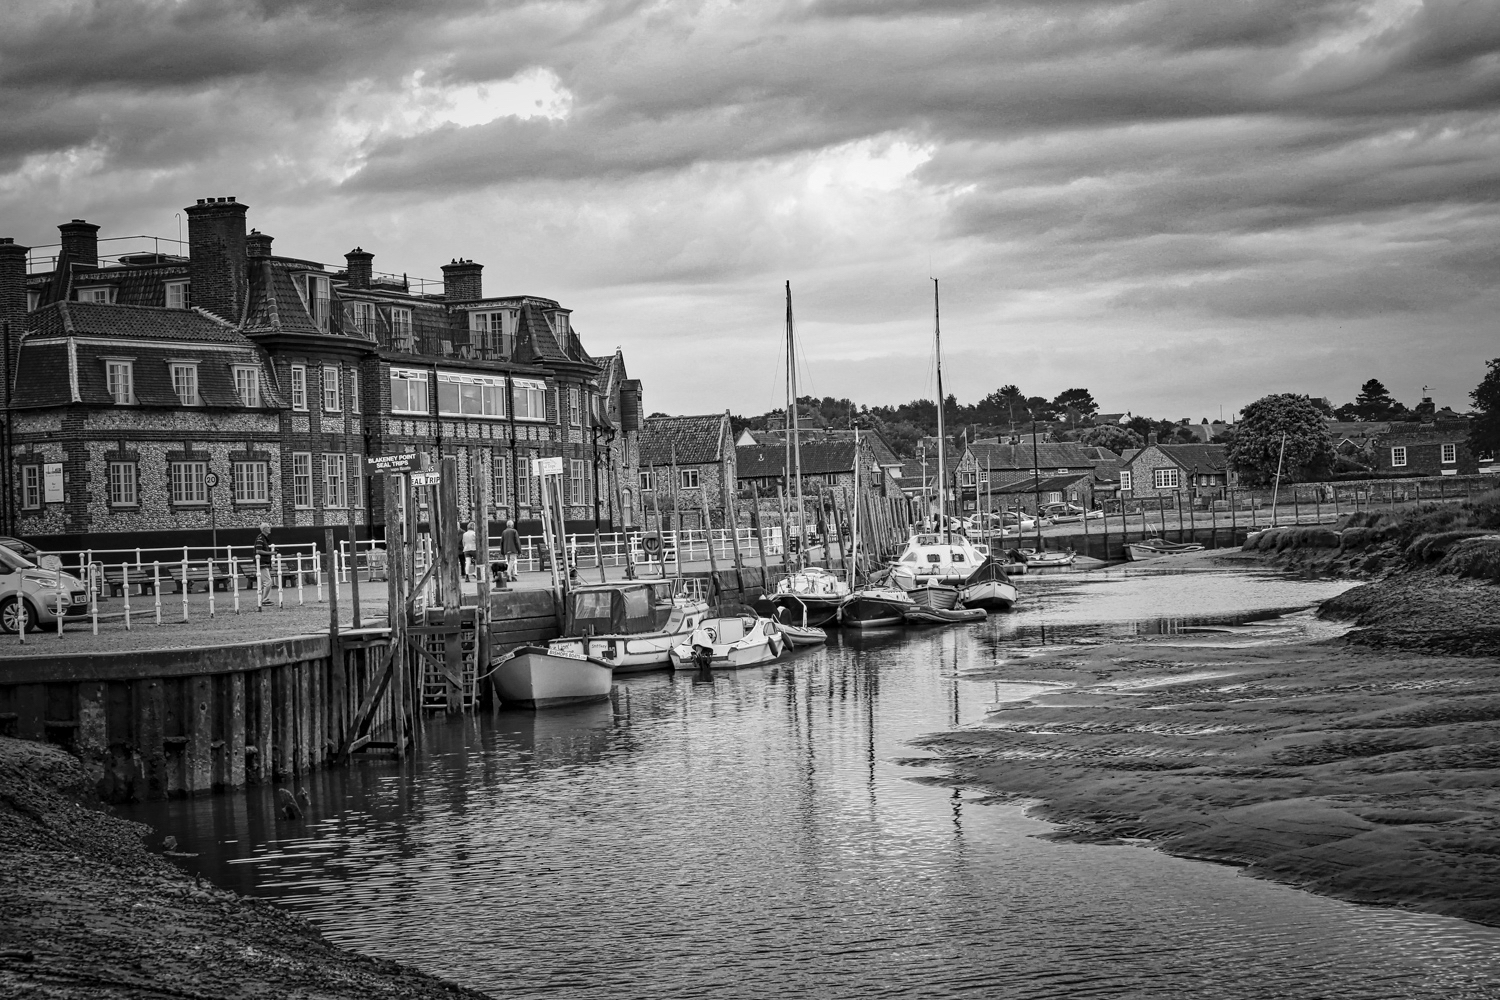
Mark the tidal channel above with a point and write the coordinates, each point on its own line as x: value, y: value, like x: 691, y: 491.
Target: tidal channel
x: 773, y: 833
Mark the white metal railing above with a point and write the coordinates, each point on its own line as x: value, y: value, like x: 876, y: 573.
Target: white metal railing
x: 616, y: 549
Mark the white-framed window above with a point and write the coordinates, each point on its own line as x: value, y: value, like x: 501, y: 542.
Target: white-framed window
x: 247, y: 384
x: 363, y: 315
x: 468, y: 394
x: 968, y: 478
x: 333, y: 481
x: 333, y: 396
x: 409, y: 391
x: 1125, y: 479
x: 103, y: 294
x: 31, y: 487
x: 122, y: 484
x: 494, y: 332
x: 523, y: 480
x: 531, y: 399
x: 189, y: 482
x: 560, y: 325
x: 178, y: 295
x: 354, y: 390
x: 1398, y: 457
x: 302, y: 479
x: 299, y: 387
x: 687, y: 479
x: 119, y: 377
x: 497, y: 481
x: 185, y: 382
x: 251, y: 484
x: 648, y: 480
x: 1450, y: 454
x: 401, y: 329
x: 578, y: 480
x: 1164, y: 479
x: 315, y: 288
x: 575, y: 408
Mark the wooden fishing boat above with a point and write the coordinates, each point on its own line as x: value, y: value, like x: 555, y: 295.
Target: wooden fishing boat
x: 560, y: 674
x: 630, y: 625
x: 1046, y: 560
x: 988, y: 587
x: 935, y: 595
x: 940, y: 616
x: 729, y: 644
x: 802, y: 635
x: 1155, y: 548
x: 875, y: 607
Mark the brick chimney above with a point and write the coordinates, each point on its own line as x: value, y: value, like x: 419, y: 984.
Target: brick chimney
x: 461, y: 282
x: 217, y: 261
x: 81, y: 240
x: 257, y: 244
x: 12, y: 306
x: 360, y: 272
x: 1151, y: 437
x: 1426, y: 410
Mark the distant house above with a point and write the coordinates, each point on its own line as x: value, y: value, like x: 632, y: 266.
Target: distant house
x: 1159, y: 470
x: 1076, y: 488
x: 827, y: 466
x: 987, y: 465
x: 879, y: 448
x: 1424, y: 448
x: 685, y: 462
x: 1110, y: 418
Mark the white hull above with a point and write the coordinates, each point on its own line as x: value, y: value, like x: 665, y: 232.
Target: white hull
x: 797, y: 635
x: 988, y: 594
x: 750, y: 648
x: 647, y: 650
x: 532, y: 677
x: 1139, y: 553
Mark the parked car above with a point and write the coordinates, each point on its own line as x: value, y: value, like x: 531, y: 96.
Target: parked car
x: 22, y: 548
x: 1069, y: 512
x: 29, y: 595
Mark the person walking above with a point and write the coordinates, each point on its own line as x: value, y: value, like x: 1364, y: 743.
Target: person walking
x: 263, y: 557
x: 470, y: 546
x: 510, y: 545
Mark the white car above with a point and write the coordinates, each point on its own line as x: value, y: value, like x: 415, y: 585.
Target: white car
x: 30, y: 597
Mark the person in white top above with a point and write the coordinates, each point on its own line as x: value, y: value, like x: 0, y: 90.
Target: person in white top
x: 471, y: 546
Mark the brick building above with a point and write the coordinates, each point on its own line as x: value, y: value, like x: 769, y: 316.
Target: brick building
x: 1431, y: 447
x: 164, y: 392
x: 1176, y: 470
x: 685, y: 463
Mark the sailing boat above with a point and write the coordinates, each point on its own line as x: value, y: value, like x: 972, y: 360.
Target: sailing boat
x: 811, y: 596
x: 873, y: 606
x: 933, y: 564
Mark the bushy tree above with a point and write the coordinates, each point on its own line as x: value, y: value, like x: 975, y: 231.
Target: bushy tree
x: 1112, y: 436
x: 1374, y: 402
x: 1484, y: 430
x: 1080, y: 401
x: 1257, y: 440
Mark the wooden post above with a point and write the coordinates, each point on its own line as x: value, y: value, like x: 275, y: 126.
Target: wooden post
x: 396, y: 582
x: 479, y: 485
x: 358, y: 619
x: 732, y: 523
x: 450, y: 561
x: 333, y: 592
x: 760, y: 542
x: 786, y: 530
x: 713, y: 561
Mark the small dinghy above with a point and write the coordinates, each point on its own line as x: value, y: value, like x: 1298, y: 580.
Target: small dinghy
x: 938, y: 616
x: 1153, y: 548
x: 939, y: 596
x: 537, y: 677
x: 875, y: 607
x: 798, y: 633
x: 1046, y: 560
x: 730, y: 644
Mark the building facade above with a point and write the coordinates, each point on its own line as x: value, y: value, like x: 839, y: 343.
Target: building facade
x: 229, y: 384
x: 1176, y: 470
x: 685, y: 466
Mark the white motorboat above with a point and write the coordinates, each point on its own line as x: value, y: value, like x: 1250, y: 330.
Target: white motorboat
x: 534, y: 677
x: 930, y: 558
x: 1155, y: 548
x: 811, y: 595
x: 630, y: 625
x: 729, y: 644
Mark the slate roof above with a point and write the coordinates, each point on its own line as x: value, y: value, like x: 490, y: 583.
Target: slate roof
x: 534, y: 338
x: 1052, y: 455
x: 1197, y: 459
x: 274, y: 305
x: 698, y: 440
x: 133, y: 322
x: 819, y: 458
x: 1048, y: 483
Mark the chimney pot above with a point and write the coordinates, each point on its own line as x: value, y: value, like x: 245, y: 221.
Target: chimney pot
x: 80, y: 240
x: 257, y: 244
x: 462, y: 281
x: 218, y: 257
x: 359, y: 270
x: 12, y: 305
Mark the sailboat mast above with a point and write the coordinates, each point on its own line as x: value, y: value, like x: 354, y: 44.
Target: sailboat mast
x: 854, y: 521
x: 937, y: 346
x: 791, y: 368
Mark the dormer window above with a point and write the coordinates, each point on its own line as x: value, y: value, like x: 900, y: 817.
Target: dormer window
x: 315, y: 289
x: 119, y: 377
x: 364, y: 319
x: 401, y: 330
x: 177, y: 295
x: 185, y: 382
x: 101, y: 294
x: 560, y: 325
x: 247, y: 384
x: 493, y: 332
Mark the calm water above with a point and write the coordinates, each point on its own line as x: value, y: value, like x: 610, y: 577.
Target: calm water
x: 761, y: 836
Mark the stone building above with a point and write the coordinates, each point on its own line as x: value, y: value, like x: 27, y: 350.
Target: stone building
x: 685, y: 464
x: 1177, y: 470
x: 163, y: 393
x: 1428, y: 447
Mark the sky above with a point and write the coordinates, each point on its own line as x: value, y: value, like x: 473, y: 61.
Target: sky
x: 1179, y: 205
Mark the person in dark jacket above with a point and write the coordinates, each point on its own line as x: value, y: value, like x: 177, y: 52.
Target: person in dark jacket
x: 510, y: 545
x: 263, y: 556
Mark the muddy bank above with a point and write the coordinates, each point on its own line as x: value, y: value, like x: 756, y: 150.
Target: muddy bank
x: 1368, y: 775
x: 86, y: 910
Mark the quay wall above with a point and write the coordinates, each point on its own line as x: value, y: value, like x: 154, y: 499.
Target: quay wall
x: 1110, y: 546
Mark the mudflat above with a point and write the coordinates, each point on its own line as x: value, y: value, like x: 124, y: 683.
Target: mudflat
x: 88, y: 911
x: 1367, y: 773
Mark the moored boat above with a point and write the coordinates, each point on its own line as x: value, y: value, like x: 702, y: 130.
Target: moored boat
x: 1047, y: 560
x: 930, y: 558
x: 802, y: 635
x: 629, y: 625
x: 941, y: 616
x: 534, y: 677
x: 729, y: 644
x: 875, y: 607
x: 935, y: 595
x: 988, y: 587
x: 1154, y: 548
x: 811, y: 596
